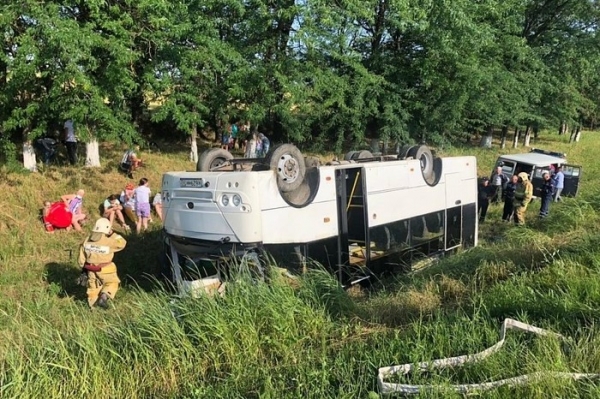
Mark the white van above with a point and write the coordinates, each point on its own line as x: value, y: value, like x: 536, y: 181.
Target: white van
x: 538, y: 161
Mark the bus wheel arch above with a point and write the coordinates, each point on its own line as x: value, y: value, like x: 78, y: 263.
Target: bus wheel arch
x: 288, y: 163
x: 213, y: 158
x: 404, y: 150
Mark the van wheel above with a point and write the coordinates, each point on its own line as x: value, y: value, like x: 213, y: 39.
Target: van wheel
x: 213, y: 159
x: 288, y: 162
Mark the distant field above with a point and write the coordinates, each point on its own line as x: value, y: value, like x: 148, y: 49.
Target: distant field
x: 312, y: 340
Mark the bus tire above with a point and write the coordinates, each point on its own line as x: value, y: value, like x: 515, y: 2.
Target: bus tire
x: 423, y: 154
x: 288, y: 163
x: 362, y: 155
x: 349, y: 155
x: 312, y: 162
x: 212, y: 158
x: 404, y: 150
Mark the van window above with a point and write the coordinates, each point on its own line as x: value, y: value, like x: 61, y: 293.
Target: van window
x: 571, y: 171
x: 507, y: 167
x: 539, y: 172
x: 523, y: 167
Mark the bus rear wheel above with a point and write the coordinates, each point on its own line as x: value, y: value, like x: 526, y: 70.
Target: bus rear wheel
x: 288, y: 163
x: 213, y: 159
x: 431, y: 167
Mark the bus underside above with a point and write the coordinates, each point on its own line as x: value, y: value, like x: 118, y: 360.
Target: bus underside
x: 360, y: 245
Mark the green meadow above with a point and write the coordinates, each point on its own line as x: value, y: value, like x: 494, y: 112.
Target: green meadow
x: 309, y: 339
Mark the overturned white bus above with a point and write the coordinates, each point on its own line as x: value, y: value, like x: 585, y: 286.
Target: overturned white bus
x: 356, y: 217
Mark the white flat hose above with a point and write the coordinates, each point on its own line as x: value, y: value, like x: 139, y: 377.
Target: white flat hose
x: 408, y: 389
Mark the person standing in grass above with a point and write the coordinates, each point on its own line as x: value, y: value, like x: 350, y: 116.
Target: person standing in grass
x: 484, y: 193
x: 96, y: 259
x: 142, y: 204
x: 70, y: 140
x: 546, y: 196
x: 498, y: 180
x: 523, y: 194
x: 509, y: 198
x: 559, y: 183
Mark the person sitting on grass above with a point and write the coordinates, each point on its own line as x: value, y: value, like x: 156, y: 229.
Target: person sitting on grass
x: 56, y: 216
x: 74, y: 204
x: 130, y: 163
x: 128, y: 202
x: 112, y: 207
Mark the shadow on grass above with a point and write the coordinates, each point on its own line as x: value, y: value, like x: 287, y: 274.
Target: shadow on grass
x: 65, y: 276
x: 141, y: 263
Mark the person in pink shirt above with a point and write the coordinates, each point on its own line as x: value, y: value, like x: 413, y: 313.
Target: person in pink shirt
x: 142, y: 204
x: 74, y: 204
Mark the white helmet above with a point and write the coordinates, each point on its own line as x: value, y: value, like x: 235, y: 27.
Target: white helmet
x: 103, y: 225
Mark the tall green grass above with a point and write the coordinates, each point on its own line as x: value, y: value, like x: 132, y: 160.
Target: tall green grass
x: 305, y: 339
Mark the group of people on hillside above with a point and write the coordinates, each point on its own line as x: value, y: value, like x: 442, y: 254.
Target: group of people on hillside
x: 47, y: 146
x: 516, y: 193
x: 132, y: 204
x: 99, y: 273
x: 253, y: 144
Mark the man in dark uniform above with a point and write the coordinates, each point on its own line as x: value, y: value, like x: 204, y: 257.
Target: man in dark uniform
x: 546, y: 196
x: 484, y: 193
x: 509, y: 197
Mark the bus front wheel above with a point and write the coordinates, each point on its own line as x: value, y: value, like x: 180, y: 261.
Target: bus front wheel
x: 288, y: 163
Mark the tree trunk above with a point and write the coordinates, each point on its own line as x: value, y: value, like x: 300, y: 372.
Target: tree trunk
x: 578, y: 134
x: 92, y: 153
x: 194, y: 144
x: 487, y: 138
x: 574, y: 134
x: 503, y: 137
x: 536, y: 131
x: 527, y: 138
x: 516, y: 138
x: 562, y: 129
x: 29, y: 161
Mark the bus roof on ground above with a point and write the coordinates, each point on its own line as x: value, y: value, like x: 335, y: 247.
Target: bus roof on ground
x: 533, y: 158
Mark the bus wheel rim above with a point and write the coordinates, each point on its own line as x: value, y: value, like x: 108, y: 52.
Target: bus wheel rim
x: 287, y: 168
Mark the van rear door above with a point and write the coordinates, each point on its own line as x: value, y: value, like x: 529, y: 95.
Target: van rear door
x: 537, y: 180
x: 572, y: 176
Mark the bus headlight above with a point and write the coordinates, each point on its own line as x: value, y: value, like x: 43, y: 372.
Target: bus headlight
x: 225, y: 200
x: 237, y: 200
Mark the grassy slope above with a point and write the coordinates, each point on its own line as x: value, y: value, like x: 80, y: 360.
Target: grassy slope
x: 274, y: 341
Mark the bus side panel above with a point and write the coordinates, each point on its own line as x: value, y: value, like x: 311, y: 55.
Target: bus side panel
x: 316, y: 221
x: 383, y: 177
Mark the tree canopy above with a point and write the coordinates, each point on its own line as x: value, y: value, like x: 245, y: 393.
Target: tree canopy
x: 318, y: 73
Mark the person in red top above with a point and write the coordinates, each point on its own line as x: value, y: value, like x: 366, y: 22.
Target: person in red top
x: 56, y: 216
